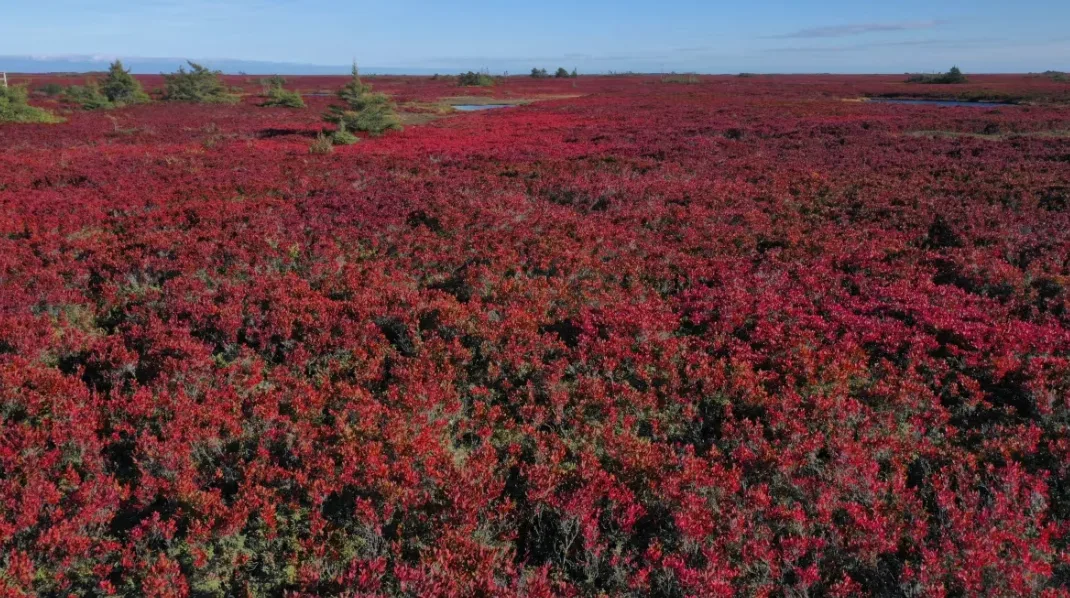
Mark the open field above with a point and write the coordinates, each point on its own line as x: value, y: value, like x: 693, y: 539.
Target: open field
x: 628, y: 338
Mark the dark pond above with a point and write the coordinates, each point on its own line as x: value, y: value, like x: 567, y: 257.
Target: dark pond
x: 911, y: 101
x: 474, y: 107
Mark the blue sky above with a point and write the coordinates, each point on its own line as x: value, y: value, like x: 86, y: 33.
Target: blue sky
x: 594, y: 35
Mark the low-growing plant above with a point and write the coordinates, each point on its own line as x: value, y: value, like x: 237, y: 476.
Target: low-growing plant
x: 473, y: 79
x: 197, y: 85
x: 277, y: 96
x: 88, y: 96
x: 561, y: 73
x: 15, y: 107
x: 51, y: 89
x: 537, y: 73
x: 322, y: 145
x: 686, y: 79
x: 273, y: 81
x: 363, y: 110
x: 343, y: 137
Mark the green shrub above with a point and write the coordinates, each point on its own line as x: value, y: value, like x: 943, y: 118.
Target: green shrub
x: 282, y: 98
x: 14, y: 107
x: 472, y: 79
x: 363, y: 109
x: 198, y: 85
x: 538, y: 73
x: 322, y: 145
x: 683, y: 79
x: 953, y: 76
x: 561, y: 73
x: 121, y: 88
x: 1059, y: 76
x: 574, y: 73
x: 273, y: 81
x: 51, y: 89
x: 343, y: 137
x: 88, y: 96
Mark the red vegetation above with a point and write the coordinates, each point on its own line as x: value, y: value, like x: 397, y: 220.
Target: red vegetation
x: 733, y: 337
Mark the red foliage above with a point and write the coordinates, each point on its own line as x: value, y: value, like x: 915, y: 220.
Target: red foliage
x: 733, y: 337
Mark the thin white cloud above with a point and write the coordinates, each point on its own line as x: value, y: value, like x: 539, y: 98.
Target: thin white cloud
x: 859, y: 29
x: 953, y: 44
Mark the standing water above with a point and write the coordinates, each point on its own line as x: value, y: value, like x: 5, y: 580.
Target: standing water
x: 916, y: 102
x: 474, y: 107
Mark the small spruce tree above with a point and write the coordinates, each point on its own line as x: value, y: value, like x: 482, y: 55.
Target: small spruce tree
x: 362, y: 110
x: 277, y: 96
x: 954, y: 76
x: 121, y: 88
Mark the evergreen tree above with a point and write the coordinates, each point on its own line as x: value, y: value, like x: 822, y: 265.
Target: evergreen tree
x: 561, y: 73
x: 362, y: 110
x: 954, y: 76
x: 199, y: 84
x: 279, y: 97
x: 121, y: 88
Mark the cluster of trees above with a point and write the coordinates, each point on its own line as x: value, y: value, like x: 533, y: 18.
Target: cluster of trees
x: 561, y: 73
x: 474, y: 79
x: 361, y: 109
x: 197, y: 84
x: 953, y: 76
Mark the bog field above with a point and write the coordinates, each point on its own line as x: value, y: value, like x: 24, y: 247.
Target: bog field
x: 625, y: 336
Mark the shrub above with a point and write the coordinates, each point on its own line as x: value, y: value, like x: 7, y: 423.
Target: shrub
x: 1059, y: 76
x: 363, y: 109
x: 561, y: 73
x: 198, y: 85
x: 322, y: 145
x: 88, y: 96
x: 273, y: 81
x: 51, y: 89
x: 473, y: 79
x: 343, y: 137
x: 121, y: 88
x: 276, y: 96
x: 538, y: 73
x: 684, y: 79
x: 14, y: 107
x: 574, y: 73
x: 953, y: 76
